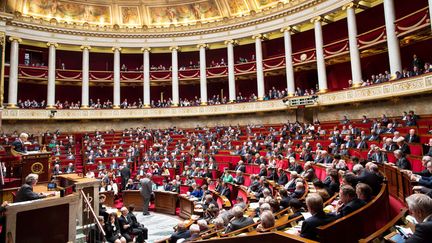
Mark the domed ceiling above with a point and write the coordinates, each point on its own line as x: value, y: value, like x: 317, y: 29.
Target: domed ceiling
x: 150, y: 13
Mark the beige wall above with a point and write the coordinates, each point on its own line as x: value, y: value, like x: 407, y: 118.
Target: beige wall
x: 394, y: 107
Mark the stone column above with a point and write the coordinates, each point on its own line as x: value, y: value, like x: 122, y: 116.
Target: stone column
x: 116, y: 99
x: 51, y: 75
x: 356, y: 72
x: 259, y: 65
x: 288, y: 61
x: 13, y: 72
x: 85, y: 77
x: 146, y: 70
x: 203, y: 73
x: 319, y: 49
x: 175, y: 78
x: 231, y: 73
x: 392, y: 39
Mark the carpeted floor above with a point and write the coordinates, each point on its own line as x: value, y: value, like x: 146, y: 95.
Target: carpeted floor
x: 160, y: 226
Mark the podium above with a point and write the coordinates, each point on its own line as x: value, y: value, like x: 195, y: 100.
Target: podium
x: 34, y: 162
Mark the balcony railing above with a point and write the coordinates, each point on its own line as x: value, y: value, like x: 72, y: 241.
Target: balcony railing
x: 406, y: 87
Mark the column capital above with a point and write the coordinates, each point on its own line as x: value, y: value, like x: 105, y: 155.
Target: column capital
x: 317, y: 19
x: 260, y: 36
x: 85, y: 47
x: 13, y: 38
x: 146, y: 49
x: 290, y: 29
x: 172, y: 48
x: 203, y: 45
x: 349, y: 5
x: 116, y: 49
x: 233, y: 42
x: 52, y: 44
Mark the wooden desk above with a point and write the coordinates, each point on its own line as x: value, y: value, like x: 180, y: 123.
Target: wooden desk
x: 133, y: 197
x: 47, y: 220
x: 186, y: 207
x: 90, y: 186
x: 165, y: 202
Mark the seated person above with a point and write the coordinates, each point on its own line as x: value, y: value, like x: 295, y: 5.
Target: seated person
x: 267, y: 221
x: 194, y: 233
x: 239, y: 179
x: 296, y: 207
x: 112, y: 230
x: 95, y: 234
x: 25, y: 193
x: 70, y: 168
x: 420, y: 207
x: 181, y: 233
x: 348, y: 201
x: 364, y: 192
x: 239, y: 220
x: 127, y: 227
x: 314, y: 204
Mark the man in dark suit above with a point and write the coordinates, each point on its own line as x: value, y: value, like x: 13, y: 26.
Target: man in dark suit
x: 18, y: 145
x: 240, y: 166
x: 314, y: 204
x: 181, y: 233
x: 239, y: 220
x: 25, y: 193
x: 125, y: 174
x: 401, y: 162
x: 373, y: 178
x: 146, y: 192
x: 127, y: 227
x: 420, y: 207
x: 294, y: 166
x: 239, y: 179
x: 283, y: 179
x: 412, y: 137
x: 348, y: 202
x: 226, y: 191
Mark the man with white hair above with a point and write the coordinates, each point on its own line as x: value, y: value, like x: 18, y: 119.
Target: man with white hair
x: 194, y: 231
x: 127, y: 229
x: 239, y: 220
x: 18, y: 145
x: 401, y: 162
x: 420, y: 207
x: 25, y: 193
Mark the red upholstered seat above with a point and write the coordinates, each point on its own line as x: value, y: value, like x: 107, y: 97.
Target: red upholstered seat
x: 416, y: 163
x: 416, y: 149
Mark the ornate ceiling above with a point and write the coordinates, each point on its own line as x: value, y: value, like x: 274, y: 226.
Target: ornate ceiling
x: 149, y: 13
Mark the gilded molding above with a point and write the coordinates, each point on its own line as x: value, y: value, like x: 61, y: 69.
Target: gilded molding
x: 260, y: 36
x: 179, y: 31
x: 316, y: 19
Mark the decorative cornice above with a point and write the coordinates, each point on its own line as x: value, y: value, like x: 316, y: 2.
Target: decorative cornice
x: 190, y: 30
